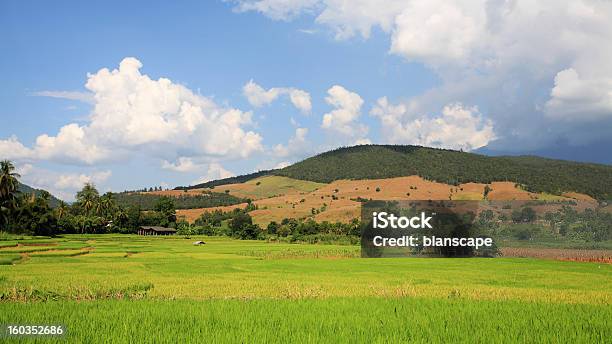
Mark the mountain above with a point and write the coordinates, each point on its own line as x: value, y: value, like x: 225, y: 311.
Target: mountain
x: 447, y: 166
x: 53, y: 201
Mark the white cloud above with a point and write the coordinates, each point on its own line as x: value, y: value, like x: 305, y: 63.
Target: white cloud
x: 458, y: 127
x: 276, y: 9
x: 183, y: 164
x: 344, y: 119
x: 358, y: 16
x: 433, y: 30
x: 12, y: 149
x: 86, y: 97
x: 307, y: 31
x: 70, y: 144
x: 258, y: 96
x: 364, y: 141
x: 134, y: 113
x: 215, y: 171
x: 504, y: 56
x: 76, y: 181
x: 282, y: 164
x: 24, y: 169
x: 574, y: 97
x: 297, y: 145
x: 62, y: 185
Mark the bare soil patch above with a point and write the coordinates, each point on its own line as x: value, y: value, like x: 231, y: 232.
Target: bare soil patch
x: 599, y: 256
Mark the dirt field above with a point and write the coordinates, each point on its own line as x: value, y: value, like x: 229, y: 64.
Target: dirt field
x: 600, y: 256
x: 280, y: 197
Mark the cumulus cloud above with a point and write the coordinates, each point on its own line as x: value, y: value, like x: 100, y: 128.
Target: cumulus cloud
x: 12, y: 149
x: 183, y: 164
x: 359, y: 17
x: 434, y: 30
x: 134, y: 113
x: 542, y: 69
x: 296, y: 145
x: 215, y: 171
x: 62, y: 185
x: 76, y: 181
x: 457, y: 127
x: 575, y: 97
x: 258, y: 96
x: 344, y: 118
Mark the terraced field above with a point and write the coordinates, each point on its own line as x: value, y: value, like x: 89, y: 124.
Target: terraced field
x: 281, y: 197
x: 257, y: 291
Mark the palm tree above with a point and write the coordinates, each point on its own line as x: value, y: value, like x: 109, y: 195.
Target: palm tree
x: 107, y: 205
x: 8, y: 179
x: 8, y: 190
x: 61, y: 210
x: 88, y: 197
x: 120, y: 215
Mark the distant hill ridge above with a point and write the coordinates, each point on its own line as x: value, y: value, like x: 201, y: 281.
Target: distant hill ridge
x: 446, y: 166
x: 25, y: 189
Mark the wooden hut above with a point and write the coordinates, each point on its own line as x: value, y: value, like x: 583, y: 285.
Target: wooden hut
x: 156, y: 230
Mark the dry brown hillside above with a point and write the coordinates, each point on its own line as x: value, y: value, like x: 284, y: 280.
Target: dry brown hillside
x: 281, y: 197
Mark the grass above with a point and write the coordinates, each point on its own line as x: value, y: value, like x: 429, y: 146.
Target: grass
x: 270, y: 186
x: 134, y: 288
x: 344, y: 320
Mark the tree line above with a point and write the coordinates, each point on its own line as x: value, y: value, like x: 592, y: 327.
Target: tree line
x: 205, y: 200
x: 31, y: 213
x: 239, y: 224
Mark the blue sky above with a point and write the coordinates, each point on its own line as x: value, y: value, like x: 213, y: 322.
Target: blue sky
x: 371, y: 72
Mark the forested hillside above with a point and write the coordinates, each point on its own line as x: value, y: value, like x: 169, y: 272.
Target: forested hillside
x: 447, y: 166
x: 454, y: 167
x: 148, y: 201
x: 24, y: 189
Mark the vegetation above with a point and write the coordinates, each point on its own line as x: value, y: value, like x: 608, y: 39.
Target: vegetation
x: 8, y: 192
x: 344, y: 320
x: 453, y: 167
x: 239, y: 224
x: 54, y: 202
x: 270, y: 186
x: 278, y: 289
x: 205, y: 200
x: 234, y: 289
x: 446, y: 166
x: 224, y: 181
x: 31, y: 214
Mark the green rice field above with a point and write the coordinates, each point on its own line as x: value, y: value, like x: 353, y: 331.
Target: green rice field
x: 106, y: 288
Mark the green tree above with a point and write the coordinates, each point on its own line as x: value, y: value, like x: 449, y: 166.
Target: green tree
x: 272, y: 227
x: 62, y: 210
x: 35, y: 216
x: 88, y: 198
x: 239, y: 221
x: 9, y: 184
x: 133, y: 217
x: 167, y: 210
x: 107, y: 205
x: 526, y: 214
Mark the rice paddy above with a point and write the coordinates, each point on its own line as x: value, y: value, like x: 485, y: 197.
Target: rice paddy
x: 130, y: 288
